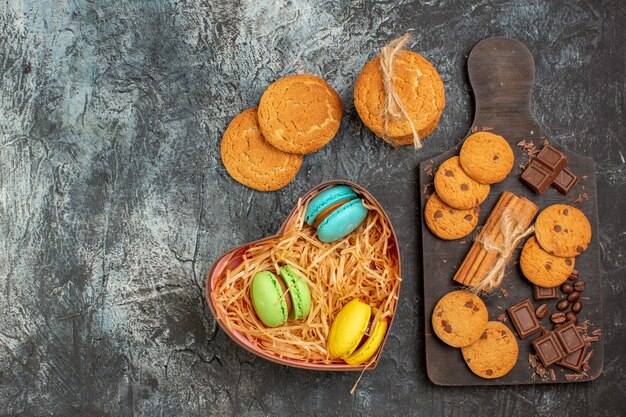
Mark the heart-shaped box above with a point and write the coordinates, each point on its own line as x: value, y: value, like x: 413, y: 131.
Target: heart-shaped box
x: 233, y: 258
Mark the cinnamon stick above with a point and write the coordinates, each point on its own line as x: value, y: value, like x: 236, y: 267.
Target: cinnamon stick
x: 492, y: 221
x: 506, y: 225
x: 473, y: 259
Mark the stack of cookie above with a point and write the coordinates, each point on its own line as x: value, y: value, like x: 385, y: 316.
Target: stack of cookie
x: 460, y: 319
x: 562, y: 232
x: 263, y: 148
x: 463, y: 182
x: 419, y: 89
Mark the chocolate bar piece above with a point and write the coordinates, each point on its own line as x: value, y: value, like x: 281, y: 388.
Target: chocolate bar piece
x: 543, y: 169
x: 541, y: 293
x: 523, y: 317
x: 565, y: 181
x: 548, y: 349
x: 574, y: 360
x: 569, y: 338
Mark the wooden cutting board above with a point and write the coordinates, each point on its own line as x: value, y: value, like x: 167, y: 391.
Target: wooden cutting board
x: 502, y: 74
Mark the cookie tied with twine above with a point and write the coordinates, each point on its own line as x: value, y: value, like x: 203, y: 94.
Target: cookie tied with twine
x: 399, y: 95
x: 393, y: 103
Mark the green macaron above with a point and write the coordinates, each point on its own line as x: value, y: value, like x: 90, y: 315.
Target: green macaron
x: 266, y: 292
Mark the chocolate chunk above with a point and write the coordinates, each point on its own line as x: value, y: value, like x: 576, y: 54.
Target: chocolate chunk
x: 577, y: 307
x: 548, y: 348
x: 496, y: 158
x: 548, y: 266
x: 523, y: 318
x: 558, y: 318
x: 469, y: 304
x: 489, y: 372
x: 568, y: 262
x: 579, y: 248
x: 541, y: 293
x: 541, y: 371
x: 574, y: 360
x: 565, y: 181
x: 543, y: 169
x: 562, y: 305
x: 448, y: 173
x: 446, y: 326
x: 573, y: 297
x: 566, y: 212
x: 438, y: 214
x: 567, y: 288
x: 542, y: 311
x: 569, y: 337
x: 557, y: 228
x: 483, y: 336
x: 469, y: 217
x: 580, y: 286
x: 464, y: 187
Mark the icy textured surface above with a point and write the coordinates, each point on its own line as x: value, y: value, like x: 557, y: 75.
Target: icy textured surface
x: 114, y: 202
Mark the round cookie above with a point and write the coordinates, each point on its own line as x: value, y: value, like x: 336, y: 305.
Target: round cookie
x: 543, y: 269
x: 486, y: 157
x: 494, y: 354
x: 563, y: 230
x: 449, y: 223
x: 456, y: 188
x: 300, y: 113
x: 419, y: 87
x: 459, y: 318
x: 253, y: 162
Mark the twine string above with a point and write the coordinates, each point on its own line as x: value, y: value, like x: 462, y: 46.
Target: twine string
x: 393, y: 106
x: 512, y: 228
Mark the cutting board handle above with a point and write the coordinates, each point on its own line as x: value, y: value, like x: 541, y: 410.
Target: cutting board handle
x: 502, y: 74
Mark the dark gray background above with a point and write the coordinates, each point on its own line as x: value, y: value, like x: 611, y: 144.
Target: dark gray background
x: 114, y: 202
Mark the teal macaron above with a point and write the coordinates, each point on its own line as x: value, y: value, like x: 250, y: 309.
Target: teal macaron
x: 270, y: 303
x: 335, y: 213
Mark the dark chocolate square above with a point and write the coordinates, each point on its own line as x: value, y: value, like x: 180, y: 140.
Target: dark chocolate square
x: 548, y: 349
x: 524, y: 319
x: 565, y: 181
x: 537, y: 177
x: 543, y: 169
x: 550, y: 156
x: 569, y: 337
x: 541, y: 293
x: 574, y: 360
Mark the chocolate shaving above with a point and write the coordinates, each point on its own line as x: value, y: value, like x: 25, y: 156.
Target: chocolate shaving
x: 427, y: 186
x: 529, y: 149
x: 428, y: 169
x: 581, y: 197
x: 552, y: 375
x: 504, y: 292
x: 502, y: 318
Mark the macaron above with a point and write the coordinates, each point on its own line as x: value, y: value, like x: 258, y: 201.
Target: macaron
x: 352, y: 336
x: 270, y: 303
x: 335, y: 213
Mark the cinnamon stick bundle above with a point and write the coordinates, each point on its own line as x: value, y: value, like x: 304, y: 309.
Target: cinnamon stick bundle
x: 485, y: 264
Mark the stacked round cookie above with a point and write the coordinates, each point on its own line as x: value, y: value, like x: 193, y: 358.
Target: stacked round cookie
x: 562, y: 232
x: 418, y: 87
x: 263, y: 148
x: 463, y: 182
x: 460, y: 319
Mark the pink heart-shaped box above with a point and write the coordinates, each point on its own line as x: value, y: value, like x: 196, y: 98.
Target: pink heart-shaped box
x: 234, y: 257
